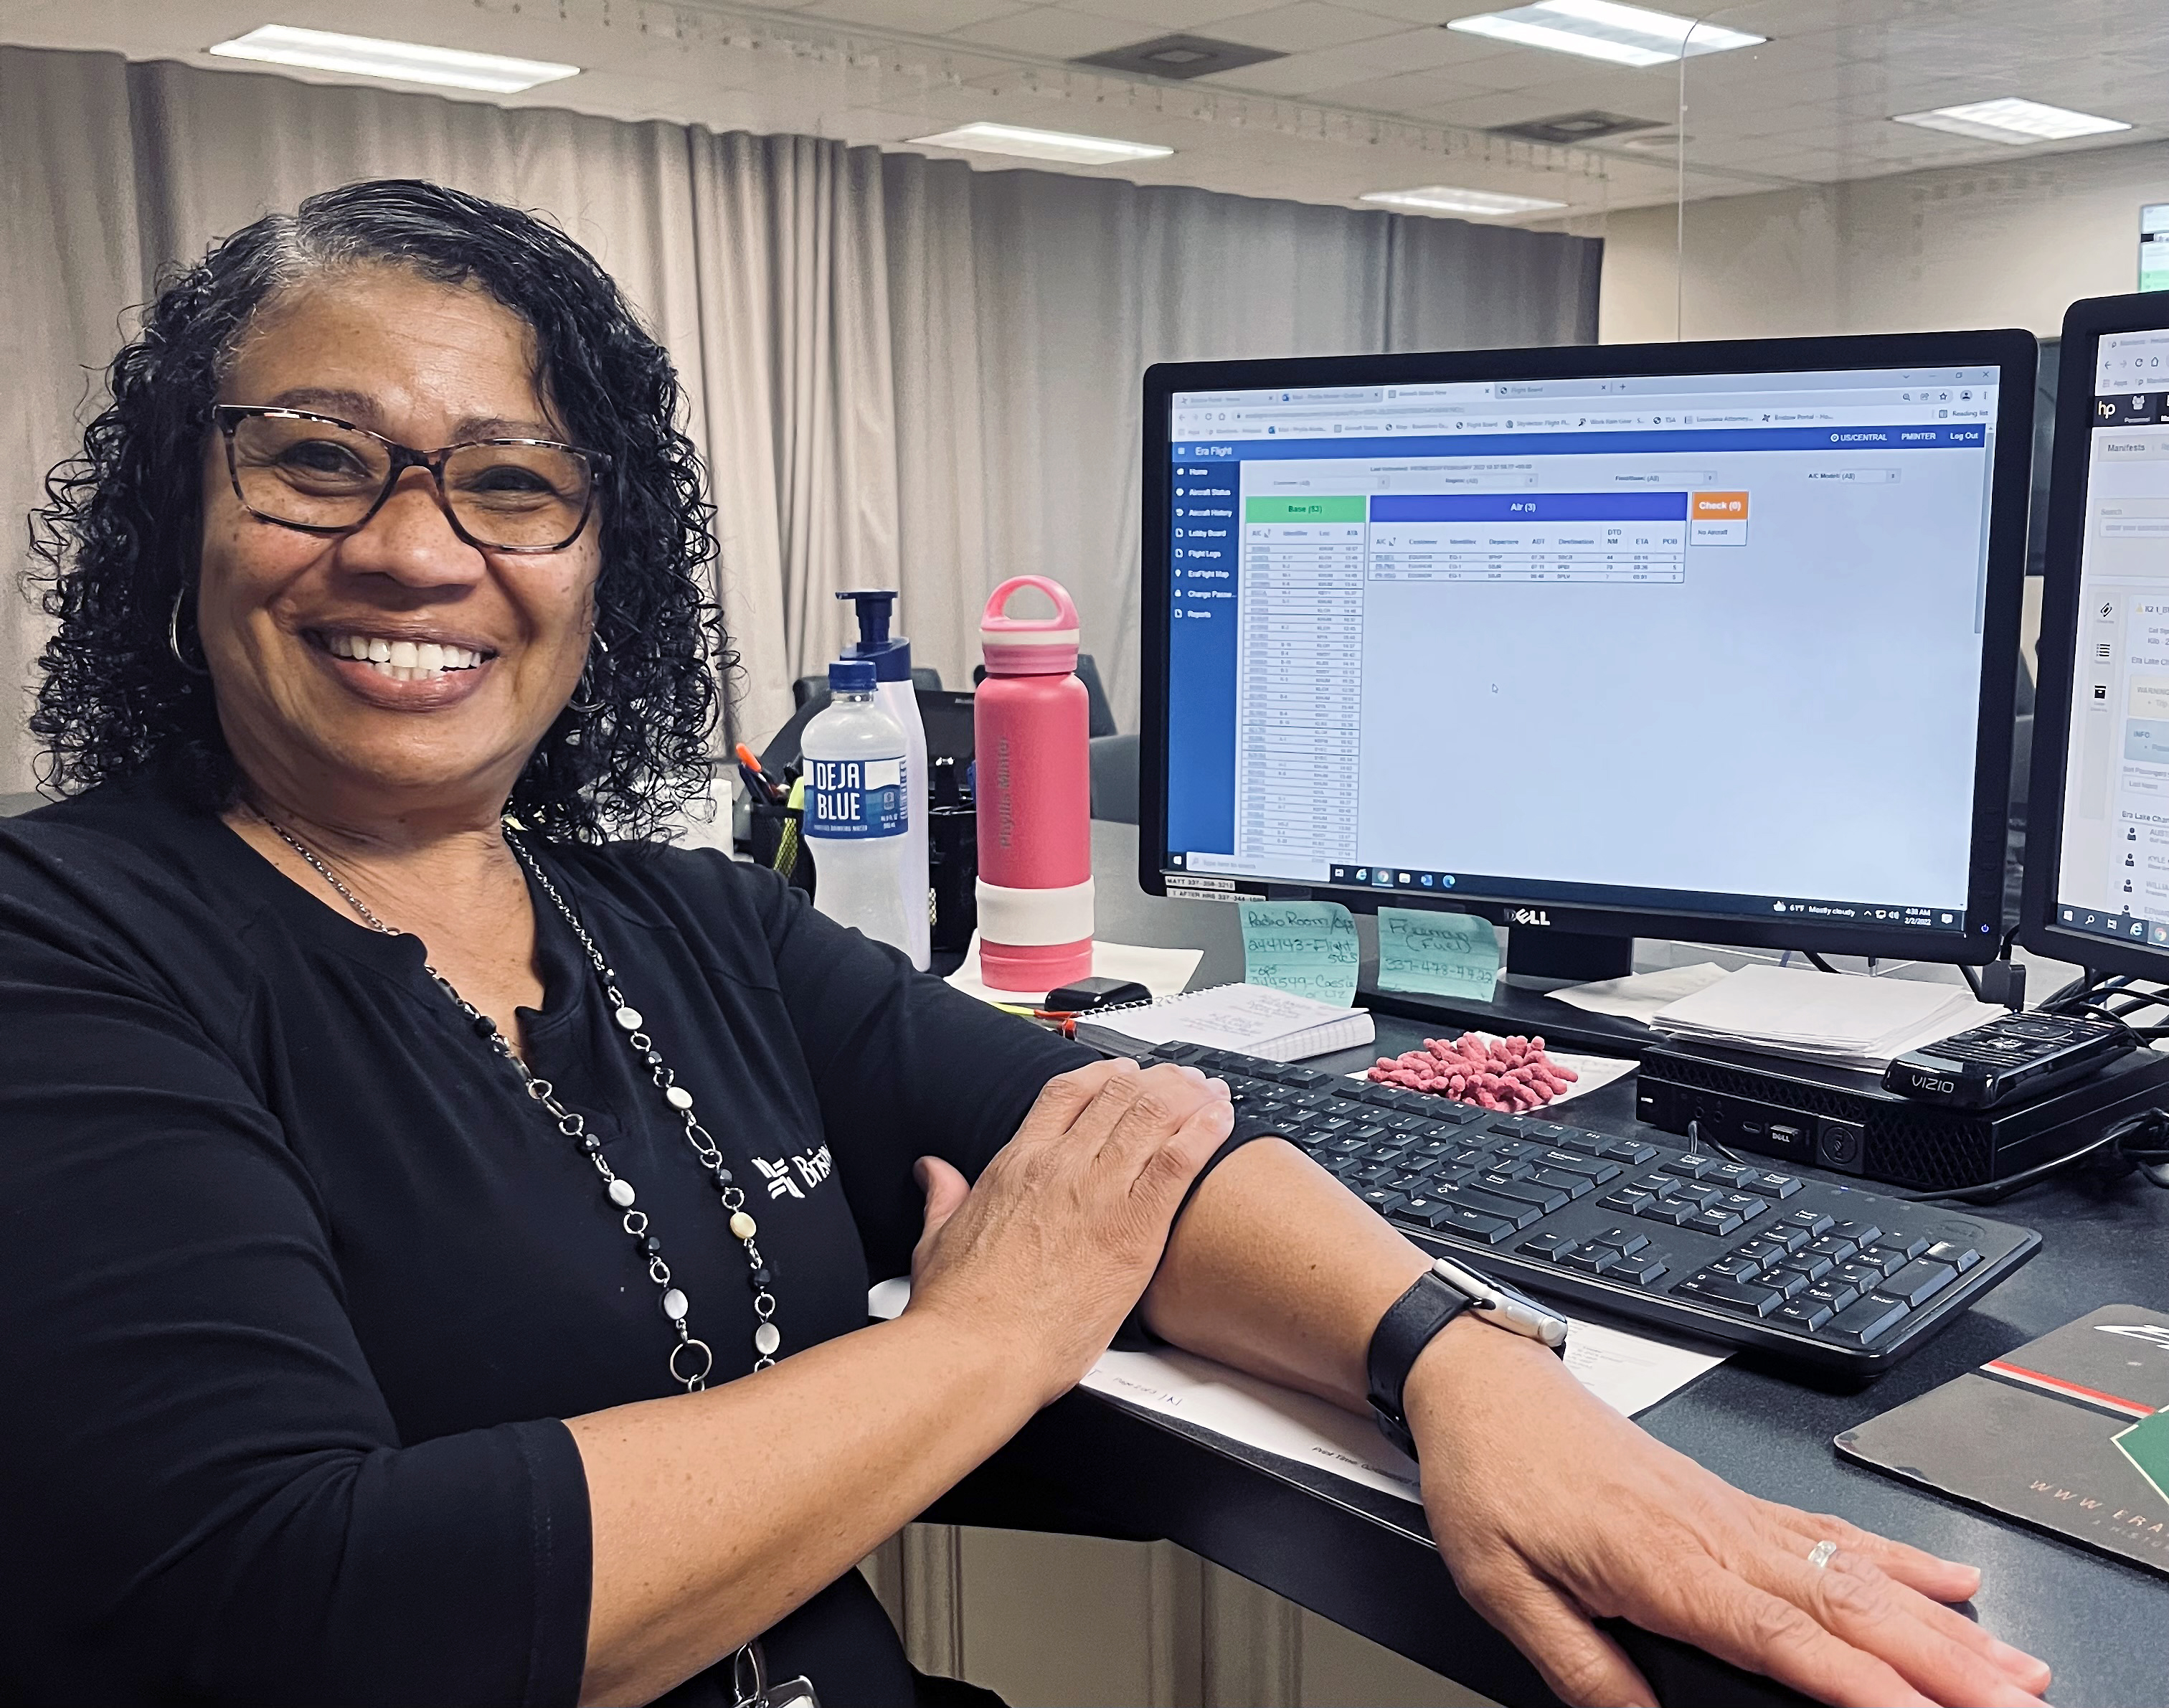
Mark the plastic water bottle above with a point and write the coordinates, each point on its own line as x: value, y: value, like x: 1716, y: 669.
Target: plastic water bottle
x: 891, y: 656
x: 1031, y: 726
x: 858, y: 807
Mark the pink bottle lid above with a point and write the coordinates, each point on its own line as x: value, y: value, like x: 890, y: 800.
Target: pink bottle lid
x: 1029, y: 646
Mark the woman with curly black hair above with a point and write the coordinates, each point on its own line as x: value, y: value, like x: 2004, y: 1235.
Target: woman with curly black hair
x: 437, y: 1215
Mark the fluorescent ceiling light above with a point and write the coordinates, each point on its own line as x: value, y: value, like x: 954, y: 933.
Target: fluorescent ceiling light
x: 395, y: 61
x: 1629, y: 35
x: 984, y: 138
x: 2012, y: 120
x: 1444, y: 198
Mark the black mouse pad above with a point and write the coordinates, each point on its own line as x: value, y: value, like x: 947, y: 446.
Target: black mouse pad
x: 2069, y: 1433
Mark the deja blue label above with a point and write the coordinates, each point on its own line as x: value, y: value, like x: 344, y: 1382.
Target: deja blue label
x: 855, y: 797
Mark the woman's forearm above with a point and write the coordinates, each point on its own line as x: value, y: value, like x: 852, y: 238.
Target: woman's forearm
x: 714, y: 1514
x: 1277, y: 1268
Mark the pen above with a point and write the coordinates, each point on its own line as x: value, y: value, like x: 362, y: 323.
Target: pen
x: 751, y: 765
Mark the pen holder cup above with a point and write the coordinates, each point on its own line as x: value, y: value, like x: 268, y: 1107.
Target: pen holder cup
x: 778, y: 842
x: 953, y: 858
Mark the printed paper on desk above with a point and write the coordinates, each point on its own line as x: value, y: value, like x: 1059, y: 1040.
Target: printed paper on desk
x: 1307, y: 948
x: 1630, y: 1373
x: 1437, y: 954
x: 1164, y: 972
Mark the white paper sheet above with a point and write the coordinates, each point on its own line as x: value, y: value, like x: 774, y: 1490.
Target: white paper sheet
x: 1629, y: 1372
x: 1591, y: 1072
x: 1641, y: 995
x: 1164, y: 972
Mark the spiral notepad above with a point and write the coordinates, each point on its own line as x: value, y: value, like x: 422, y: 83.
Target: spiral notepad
x: 1255, y: 1019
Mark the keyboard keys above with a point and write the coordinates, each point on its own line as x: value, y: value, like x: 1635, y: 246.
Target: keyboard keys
x: 1815, y: 1221
x: 1862, y: 1234
x: 1659, y: 1184
x: 1513, y: 1211
x: 1573, y: 1185
x: 1623, y: 1198
x: 1566, y: 1162
x: 1382, y: 1199
x: 1621, y: 1240
x: 1773, y: 1185
x: 1729, y: 1174
x: 1628, y: 1151
x: 1713, y: 1221
x: 1519, y: 1150
x: 1832, y: 1297
x: 1813, y: 1267
x: 1415, y: 1208
x: 1670, y: 1211
x: 1959, y: 1258
x: 1784, y: 1280
x: 1590, y: 1260
x: 1543, y: 1245
x: 1735, y: 1268
x: 1743, y: 1296
x: 1861, y: 1277
x: 1911, y: 1244
x: 1867, y: 1321
x: 1689, y: 1167
x: 1802, y: 1314
x: 1544, y: 1199
x: 1887, y: 1258
x: 1641, y: 1267
x: 1744, y: 1204
x: 1700, y: 1197
x: 1918, y: 1282
x: 1764, y: 1250
x: 1581, y: 1143
x: 1471, y: 1225
x: 1831, y: 1246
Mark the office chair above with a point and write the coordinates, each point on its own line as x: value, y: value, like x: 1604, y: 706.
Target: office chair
x: 1099, y: 717
x: 1115, y: 778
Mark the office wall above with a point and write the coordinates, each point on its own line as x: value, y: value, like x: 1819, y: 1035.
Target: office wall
x: 901, y: 372
x: 1994, y: 245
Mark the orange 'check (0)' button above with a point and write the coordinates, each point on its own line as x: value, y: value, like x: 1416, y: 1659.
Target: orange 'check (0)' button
x: 1719, y: 507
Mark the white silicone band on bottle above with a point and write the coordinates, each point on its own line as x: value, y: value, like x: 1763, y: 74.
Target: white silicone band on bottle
x: 1025, y: 918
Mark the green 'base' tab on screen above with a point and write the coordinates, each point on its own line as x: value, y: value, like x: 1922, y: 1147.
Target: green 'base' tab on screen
x: 1351, y: 509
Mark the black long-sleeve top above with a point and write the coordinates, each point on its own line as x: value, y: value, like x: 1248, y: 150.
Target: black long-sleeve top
x: 296, y: 1282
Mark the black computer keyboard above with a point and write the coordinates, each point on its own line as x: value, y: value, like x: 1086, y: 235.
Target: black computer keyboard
x: 1793, y: 1265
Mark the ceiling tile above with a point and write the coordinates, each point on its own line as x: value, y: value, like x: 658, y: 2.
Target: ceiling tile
x: 1052, y: 32
x: 1162, y: 17
x: 1304, y: 25
x: 913, y: 17
x: 1398, y: 95
x: 1298, y: 74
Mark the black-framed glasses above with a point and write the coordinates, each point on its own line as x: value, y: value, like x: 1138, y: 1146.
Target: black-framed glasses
x: 324, y: 476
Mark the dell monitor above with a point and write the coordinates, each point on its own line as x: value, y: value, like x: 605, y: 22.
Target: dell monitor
x: 1711, y: 641
x: 2096, y: 887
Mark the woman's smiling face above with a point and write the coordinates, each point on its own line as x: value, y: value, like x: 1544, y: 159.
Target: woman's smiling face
x: 308, y: 636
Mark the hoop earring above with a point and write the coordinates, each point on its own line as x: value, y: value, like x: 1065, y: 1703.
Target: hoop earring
x: 584, y: 701
x: 173, y: 637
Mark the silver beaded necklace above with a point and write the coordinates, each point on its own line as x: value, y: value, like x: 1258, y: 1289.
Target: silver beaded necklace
x: 698, y: 1358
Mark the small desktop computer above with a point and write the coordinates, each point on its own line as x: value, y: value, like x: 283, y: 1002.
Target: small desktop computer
x: 1707, y: 641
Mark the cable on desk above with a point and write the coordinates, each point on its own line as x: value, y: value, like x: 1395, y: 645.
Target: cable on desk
x: 1817, y: 962
x: 1696, y: 1141
x: 2151, y: 1160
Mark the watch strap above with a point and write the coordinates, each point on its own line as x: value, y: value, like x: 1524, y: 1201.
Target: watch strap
x: 1410, y: 1325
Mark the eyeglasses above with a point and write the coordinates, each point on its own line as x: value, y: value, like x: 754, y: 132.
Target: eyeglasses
x: 324, y: 476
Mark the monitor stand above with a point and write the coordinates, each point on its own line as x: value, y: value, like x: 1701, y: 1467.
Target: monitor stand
x: 1538, y: 962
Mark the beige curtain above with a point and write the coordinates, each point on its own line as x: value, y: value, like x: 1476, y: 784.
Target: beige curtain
x: 902, y: 373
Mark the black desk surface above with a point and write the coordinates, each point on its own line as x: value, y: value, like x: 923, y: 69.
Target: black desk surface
x: 1363, y: 1559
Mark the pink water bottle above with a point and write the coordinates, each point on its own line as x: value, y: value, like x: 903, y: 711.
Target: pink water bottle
x: 1035, y: 797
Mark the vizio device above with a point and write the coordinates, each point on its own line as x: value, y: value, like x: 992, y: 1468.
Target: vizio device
x: 2007, y: 1060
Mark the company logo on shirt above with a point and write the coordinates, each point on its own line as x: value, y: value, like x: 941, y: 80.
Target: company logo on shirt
x: 787, y: 1174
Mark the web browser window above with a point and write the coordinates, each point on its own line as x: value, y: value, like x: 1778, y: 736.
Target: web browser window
x: 1708, y: 641
x: 2113, y: 876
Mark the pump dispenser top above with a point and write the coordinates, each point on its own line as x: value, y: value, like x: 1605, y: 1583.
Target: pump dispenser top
x: 876, y: 609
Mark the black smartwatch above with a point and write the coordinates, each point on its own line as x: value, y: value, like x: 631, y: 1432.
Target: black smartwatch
x: 1440, y: 1293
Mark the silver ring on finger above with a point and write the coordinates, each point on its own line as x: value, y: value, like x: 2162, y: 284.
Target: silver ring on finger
x: 1818, y: 1556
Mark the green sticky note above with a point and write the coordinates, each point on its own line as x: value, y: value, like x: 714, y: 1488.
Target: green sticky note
x: 1437, y: 954
x: 2146, y: 1445
x: 1307, y: 948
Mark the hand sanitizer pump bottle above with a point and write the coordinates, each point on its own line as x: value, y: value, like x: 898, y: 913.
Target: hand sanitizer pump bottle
x: 1030, y: 724
x: 891, y: 657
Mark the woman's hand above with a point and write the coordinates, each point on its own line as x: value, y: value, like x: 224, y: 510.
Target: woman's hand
x: 1052, y: 1248
x: 1552, y: 1511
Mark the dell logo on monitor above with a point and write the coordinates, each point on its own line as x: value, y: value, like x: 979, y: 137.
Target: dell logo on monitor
x: 1528, y: 915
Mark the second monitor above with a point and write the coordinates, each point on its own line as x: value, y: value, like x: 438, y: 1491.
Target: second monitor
x: 1700, y: 641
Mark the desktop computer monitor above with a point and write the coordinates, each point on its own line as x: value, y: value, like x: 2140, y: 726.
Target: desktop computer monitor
x: 1712, y: 641
x: 2096, y: 885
